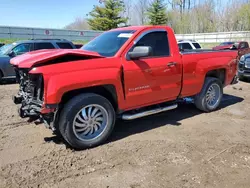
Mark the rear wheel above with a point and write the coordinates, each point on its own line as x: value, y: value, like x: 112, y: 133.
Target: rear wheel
x: 210, y: 96
x: 86, y: 121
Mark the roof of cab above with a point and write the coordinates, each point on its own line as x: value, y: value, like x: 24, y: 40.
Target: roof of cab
x: 140, y: 28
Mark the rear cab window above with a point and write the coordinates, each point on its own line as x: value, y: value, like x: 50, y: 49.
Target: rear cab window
x: 43, y: 45
x: 64, y: 45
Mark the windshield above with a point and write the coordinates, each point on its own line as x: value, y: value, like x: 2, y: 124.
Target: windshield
x: 108, y: 43
x: 226, y: 43
x: 5, y: 49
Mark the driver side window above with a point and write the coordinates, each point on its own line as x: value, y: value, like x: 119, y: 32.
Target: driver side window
x: 21, y: 49
x: 158, y: 41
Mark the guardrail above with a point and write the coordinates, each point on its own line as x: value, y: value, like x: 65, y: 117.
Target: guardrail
x: 86, y: 35
x: 44, y: 33
x: 216, y: 37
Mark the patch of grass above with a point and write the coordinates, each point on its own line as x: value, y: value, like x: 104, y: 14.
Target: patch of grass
x: 79, y: 41
x: 8, y: 41
x: 209, y: 45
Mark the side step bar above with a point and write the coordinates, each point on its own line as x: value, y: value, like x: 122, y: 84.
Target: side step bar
x: 148, y: 112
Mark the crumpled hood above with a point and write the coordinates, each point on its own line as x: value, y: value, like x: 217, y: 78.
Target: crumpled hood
x: 39, y: 57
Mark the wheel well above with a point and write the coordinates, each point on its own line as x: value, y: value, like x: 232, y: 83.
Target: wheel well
x: 218, y: 73
x: 107, y: 91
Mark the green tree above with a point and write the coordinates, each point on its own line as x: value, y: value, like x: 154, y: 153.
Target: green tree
x: 157, y: 13
x: 108, y: 16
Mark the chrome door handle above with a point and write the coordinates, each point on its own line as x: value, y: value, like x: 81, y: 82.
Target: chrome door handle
x: 172, y: 64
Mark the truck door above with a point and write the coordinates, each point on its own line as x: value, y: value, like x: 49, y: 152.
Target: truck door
x: 156, y: 78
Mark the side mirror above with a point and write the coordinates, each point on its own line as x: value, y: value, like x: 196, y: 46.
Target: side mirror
x: 12, y: 54
x: 140, y: 51
x: 233, y: 47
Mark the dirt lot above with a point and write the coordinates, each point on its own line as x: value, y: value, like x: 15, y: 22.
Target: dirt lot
x: 180, y: 148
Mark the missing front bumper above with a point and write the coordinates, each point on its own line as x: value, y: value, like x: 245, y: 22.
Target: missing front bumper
x: 34, y: 111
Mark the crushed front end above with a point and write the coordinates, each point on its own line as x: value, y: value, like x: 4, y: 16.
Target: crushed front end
x: 30, y: 97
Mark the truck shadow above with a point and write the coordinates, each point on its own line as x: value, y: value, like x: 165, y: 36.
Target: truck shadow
x: 124, y: 129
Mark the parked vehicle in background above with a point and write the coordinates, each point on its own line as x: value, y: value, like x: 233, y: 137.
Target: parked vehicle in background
x: 188, y: 45
x: 1, y: 44
x: 242, y: 47
x: 224, y: 46
x: 230, y: 45
x: 78, y: 45
x: 9, y: 51
x: 244, y: 67
x: 125, y: 73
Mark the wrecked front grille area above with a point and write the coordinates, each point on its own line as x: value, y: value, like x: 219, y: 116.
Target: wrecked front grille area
x: 30, y: 94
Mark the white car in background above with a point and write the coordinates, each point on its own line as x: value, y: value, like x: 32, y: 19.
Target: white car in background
x: 188, y: 45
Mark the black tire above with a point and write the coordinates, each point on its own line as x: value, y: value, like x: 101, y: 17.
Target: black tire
x: 200, y: 99
x: 74, y: 107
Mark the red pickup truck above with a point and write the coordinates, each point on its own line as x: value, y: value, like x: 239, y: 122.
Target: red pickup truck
x: 125, y: 73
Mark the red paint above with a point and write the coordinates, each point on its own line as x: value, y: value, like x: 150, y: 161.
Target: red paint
x: 160, y: 83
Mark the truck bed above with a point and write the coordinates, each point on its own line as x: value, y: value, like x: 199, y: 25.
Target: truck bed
x: 195, y: 51
x: 195, y: 62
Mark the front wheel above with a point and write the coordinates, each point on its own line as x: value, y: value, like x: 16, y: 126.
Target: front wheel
x: 210, y: 96
x: 86, y: 121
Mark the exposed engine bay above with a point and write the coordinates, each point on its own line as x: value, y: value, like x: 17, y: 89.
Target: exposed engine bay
x: 31, y: 97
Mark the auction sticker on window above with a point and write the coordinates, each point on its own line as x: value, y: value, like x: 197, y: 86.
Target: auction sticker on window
x: 125, y: 35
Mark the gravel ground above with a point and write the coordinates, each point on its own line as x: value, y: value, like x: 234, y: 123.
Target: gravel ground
x: 179, y: 148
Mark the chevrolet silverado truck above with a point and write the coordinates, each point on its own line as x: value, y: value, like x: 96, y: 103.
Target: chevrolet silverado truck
x: 125, y: 73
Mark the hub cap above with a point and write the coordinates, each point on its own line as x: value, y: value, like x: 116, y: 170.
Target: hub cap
x: 213, y: 95
x: 90, y: 122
